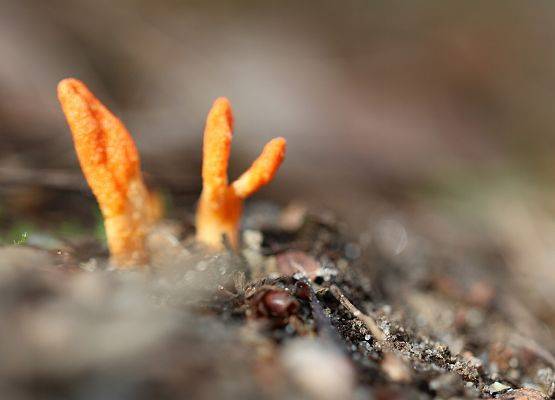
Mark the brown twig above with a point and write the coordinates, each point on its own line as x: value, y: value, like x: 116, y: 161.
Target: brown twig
x: 366, y: 319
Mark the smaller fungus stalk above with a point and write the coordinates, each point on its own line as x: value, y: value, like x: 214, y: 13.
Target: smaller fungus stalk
x: 110, y: 163
x: 220, y: 205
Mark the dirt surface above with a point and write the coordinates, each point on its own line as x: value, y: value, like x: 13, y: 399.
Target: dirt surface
x: 305, y: 310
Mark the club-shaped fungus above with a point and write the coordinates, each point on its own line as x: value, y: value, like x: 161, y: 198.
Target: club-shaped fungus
x: 220, y: 205
x: 110, y: 163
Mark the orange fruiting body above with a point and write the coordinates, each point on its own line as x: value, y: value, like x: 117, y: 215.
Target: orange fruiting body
x: 111, y: 165
x: 220, y: 205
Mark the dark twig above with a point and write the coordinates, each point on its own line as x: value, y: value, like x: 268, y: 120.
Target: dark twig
x: 366, y: 319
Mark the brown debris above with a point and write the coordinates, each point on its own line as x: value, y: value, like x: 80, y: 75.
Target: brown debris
x: 293, y: 261
x: 274, y: 303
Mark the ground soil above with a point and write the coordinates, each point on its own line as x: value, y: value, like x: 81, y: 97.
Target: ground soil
x: 305, y: 310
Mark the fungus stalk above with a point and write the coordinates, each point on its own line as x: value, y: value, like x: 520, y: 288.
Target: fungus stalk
x: 220, y: 205
x: 110, y: 162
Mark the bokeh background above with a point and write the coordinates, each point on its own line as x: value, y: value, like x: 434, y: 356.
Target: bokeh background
x: 441, y: 111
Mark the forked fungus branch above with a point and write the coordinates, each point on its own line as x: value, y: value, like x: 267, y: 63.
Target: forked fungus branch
x: 220, y: 205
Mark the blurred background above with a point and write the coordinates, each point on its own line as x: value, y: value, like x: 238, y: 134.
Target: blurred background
x: 441, y: 111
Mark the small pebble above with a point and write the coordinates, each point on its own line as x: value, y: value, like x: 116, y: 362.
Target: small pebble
x: 497, y: 387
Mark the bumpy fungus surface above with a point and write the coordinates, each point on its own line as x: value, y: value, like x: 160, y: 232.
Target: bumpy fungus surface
x: 220, y: 205
x: 111, y: 165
